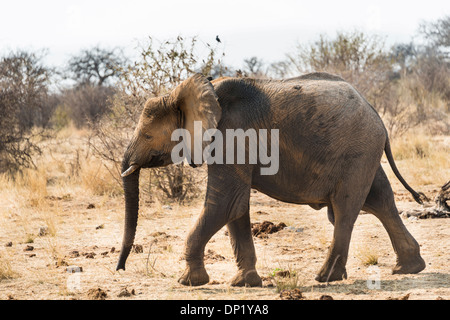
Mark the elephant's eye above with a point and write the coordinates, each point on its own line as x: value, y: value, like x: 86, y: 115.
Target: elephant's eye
x: 147, y: 136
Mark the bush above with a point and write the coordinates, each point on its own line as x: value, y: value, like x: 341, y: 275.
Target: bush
x: 85, y: 104
x: 25, y: 103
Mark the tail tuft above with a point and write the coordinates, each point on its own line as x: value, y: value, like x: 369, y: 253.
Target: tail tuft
x: 420, y: 197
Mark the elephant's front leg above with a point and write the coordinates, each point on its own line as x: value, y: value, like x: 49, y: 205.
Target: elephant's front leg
x: 227, y: 199
x: 244, y: 251
x: 206, y: 226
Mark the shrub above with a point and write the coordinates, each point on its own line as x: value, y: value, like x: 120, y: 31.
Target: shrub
x: 25, y: 103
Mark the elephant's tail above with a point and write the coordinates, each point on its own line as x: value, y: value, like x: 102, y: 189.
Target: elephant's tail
x: 418, y: 196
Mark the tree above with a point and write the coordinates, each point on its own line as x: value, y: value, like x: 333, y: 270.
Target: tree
x: 96, y: 66
x: 94, y: 71
x: 86, y: 104
x: 424, y: 70
x: 25, y: 102
x: 404, y: 56
x: 433, y: 62
x: 253, y: 67
x: 438, y: 33
x: 16, y: 147
x: 24, y: 74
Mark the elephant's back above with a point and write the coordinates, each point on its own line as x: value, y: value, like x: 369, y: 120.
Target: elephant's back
x: 314, y: 105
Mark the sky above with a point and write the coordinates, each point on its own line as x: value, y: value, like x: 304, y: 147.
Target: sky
x: 266, y: 29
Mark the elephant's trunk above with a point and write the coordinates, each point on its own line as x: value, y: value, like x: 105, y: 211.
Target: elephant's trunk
x: 131, y: 189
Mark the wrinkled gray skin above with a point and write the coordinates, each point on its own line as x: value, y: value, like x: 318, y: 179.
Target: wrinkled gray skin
x: 331, y: 143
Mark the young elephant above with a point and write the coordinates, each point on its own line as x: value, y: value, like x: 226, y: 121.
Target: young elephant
x: 330, y: 142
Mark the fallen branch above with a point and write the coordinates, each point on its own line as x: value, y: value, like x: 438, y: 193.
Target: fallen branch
x: 440, y: 208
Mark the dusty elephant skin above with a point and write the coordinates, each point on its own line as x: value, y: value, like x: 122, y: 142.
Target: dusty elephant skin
x: 330, y: 144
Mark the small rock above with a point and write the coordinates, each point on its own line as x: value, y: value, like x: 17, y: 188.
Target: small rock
x: 43, y: 231
x: 294, y: 229
x: 28, y: 248
x: 125, y: 293
x: 74, y: 269
x: 8, y: 244
x: 91, y: 206
x: 89, y: 255
x: 31, y: 255
x: 61, y: 263
x: 102, y: 226
x: 113, y: 249
x: 74, y: 254
x: 137, y: 248
x: 326, y: 297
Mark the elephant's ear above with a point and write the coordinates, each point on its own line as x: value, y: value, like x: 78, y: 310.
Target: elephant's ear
x: 198, y: 102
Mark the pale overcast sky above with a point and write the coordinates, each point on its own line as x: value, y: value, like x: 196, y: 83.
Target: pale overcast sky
x: 267, y: 29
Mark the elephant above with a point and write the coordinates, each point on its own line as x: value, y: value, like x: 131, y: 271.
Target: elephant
x: 331, y: 141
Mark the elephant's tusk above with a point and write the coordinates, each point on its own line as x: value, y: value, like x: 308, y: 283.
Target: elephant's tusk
x: 130, y: 170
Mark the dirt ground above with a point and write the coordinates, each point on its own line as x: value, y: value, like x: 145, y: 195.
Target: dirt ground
x: 76, y: 258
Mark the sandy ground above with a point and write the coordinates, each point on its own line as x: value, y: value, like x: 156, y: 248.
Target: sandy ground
x: 86, y: 229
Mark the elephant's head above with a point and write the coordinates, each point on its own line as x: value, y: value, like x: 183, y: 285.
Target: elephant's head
x: 151, y: 145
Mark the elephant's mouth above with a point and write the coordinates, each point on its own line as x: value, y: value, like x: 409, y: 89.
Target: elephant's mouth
x: 155, y: 161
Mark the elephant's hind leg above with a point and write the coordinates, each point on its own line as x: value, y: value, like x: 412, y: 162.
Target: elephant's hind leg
x: 380, y: 202
x: 345, y: 214
x: 345, y: 205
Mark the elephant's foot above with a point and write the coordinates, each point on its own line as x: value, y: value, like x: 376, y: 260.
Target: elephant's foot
x: 247, y: 278
x: 194, y: 277
x: 335, y: 272
x: 411, y: 265
x: 334, y: 276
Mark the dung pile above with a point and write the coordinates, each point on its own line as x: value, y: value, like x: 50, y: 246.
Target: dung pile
x: 262, y: 229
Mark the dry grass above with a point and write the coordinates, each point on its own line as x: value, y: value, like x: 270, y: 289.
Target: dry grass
x: 422, y: 159
x: 6, y: 269
x: 367, y: 255
x: 98, y: 179
x: 285, y: 279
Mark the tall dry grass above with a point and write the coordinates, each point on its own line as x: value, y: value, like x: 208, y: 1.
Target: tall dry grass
x: 423, y: 159
x: 98, y: 178
x: 6, y: 269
